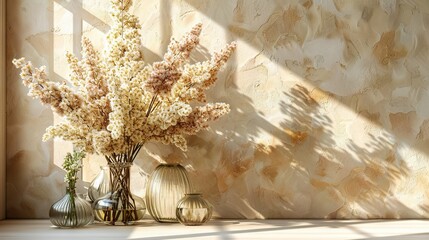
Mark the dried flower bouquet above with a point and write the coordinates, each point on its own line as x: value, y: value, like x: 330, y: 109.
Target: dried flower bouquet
x: 117, y: 102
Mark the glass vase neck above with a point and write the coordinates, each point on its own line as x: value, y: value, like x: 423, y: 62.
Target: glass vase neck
x: 71, y: 190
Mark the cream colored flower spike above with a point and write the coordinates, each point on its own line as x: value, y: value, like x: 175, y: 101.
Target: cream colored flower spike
x: 115, y: 102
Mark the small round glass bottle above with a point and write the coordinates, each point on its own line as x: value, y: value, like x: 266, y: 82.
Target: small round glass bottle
x: 193, y: 210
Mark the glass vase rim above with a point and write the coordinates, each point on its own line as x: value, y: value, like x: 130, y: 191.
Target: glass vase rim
x: 120, y: 164
x: 170, y: 164
x: 194, y: 194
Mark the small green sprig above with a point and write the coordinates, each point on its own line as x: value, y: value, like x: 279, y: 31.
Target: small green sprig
x: 72, y: 164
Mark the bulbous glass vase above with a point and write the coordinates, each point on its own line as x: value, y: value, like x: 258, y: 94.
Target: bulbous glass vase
x: 100, y: 185
x: 71, y: 211
x: 193, y: 210
x: 166, y: 186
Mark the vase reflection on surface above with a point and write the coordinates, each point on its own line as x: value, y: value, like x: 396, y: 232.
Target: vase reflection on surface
x: 193, y: 210
x: 71, y: 211
x: 119, y: 206
x: 166, y: 186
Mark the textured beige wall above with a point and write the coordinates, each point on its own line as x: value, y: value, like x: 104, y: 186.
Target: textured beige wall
x: 2, y: 109
x: 329, y: 99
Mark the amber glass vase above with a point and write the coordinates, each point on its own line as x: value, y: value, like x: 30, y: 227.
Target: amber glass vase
x: 193, y: 210
x: 166, y: 186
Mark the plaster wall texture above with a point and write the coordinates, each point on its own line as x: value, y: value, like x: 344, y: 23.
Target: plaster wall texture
x: 329, y: 99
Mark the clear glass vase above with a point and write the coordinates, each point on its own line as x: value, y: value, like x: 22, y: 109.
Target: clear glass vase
x: 166, y: 186
x: 100, y: 185
x: 71, y: 211
x: 193, y: 210
x: 119, y: 206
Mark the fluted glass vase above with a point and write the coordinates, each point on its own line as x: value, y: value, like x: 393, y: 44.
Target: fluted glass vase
x: 71, y: 211
x: 166, y: 186
x: 100, y: 185
x: 119, y: 206
x: 193, y: 210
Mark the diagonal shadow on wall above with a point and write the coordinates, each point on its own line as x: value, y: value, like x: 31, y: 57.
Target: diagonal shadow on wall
x: 277, y: 181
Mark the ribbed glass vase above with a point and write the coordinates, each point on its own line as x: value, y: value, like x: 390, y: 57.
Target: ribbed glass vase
x: 193, y: 210
x: 71, y: 211
x: 166, y: 186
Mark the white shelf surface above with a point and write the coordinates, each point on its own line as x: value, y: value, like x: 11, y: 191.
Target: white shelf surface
x: 224, y: 230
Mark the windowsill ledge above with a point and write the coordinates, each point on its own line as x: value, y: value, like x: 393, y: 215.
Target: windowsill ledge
x: 225, y: 229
